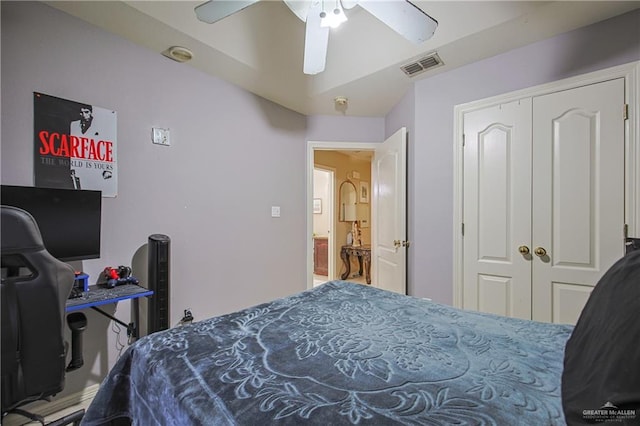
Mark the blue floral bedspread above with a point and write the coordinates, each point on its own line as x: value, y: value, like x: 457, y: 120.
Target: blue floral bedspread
x: 341, y: 354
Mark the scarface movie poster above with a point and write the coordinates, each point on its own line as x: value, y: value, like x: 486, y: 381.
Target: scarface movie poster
x: 74, y: 145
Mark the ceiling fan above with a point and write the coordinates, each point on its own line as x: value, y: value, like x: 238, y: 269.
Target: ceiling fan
x: 321, y: 15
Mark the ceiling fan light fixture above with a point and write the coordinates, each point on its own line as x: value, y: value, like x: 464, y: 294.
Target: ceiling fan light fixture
x: 402, y: 16
x: 333, y: 19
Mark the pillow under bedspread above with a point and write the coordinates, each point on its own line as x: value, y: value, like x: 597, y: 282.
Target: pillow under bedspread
x: 601, y: 376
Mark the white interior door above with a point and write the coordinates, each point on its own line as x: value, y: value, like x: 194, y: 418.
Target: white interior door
x: 389, y: 215
x: 497, y: 209
x: 578, y: 194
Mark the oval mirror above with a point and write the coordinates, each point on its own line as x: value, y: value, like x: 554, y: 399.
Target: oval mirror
x: 348, y: 200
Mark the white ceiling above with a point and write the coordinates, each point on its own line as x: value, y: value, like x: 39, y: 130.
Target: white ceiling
x: 261, y: 47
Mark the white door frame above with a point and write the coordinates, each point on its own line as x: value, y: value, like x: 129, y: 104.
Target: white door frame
x: 631, y: 73
x: 312, y: 146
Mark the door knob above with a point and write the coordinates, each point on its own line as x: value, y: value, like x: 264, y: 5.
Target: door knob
x: 540, y: 252
x: 524, y: 250
x: 397, y: 243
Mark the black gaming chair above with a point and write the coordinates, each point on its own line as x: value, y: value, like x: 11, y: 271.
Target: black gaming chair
x: 35, y: 287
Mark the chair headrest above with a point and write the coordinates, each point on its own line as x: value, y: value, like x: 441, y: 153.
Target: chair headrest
x: 19, y: 231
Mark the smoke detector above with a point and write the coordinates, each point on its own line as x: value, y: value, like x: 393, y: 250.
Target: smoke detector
x: 178, y: 53
x: 341, y: 103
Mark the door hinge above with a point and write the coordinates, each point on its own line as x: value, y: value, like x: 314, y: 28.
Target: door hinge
x: 625, y: 112
x: 625, y: 231
x: 462, y: 229
x: 464, y: 142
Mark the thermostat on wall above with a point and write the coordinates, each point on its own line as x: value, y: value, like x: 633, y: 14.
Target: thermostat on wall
x: 160, y: 136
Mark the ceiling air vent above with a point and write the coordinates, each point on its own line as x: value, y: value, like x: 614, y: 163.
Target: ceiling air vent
x: 421, y: 65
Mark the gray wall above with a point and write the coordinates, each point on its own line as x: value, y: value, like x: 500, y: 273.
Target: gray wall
x: 612, y: 42
x: 330, y: 128
x: 233, y: 156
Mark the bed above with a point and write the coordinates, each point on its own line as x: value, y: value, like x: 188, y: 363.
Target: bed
x: 341, y: 353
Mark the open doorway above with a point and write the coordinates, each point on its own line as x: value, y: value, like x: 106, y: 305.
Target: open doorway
x: 349, y: 162
x: 385, y: 188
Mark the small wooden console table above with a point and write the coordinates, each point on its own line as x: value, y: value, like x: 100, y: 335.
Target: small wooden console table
x: 364, y: 259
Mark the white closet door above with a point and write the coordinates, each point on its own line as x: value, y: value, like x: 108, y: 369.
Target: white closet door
x: 497, y: 209
x: 578, y: 195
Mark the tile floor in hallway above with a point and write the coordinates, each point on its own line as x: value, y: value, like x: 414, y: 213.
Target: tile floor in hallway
x: 319, y: 279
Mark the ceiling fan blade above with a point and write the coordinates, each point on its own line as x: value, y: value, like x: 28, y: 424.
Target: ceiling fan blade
x: 316, y: 40
x: 299, y: 7
x: 403, y: 17
x: 349, y: 4
x: 214, y: 10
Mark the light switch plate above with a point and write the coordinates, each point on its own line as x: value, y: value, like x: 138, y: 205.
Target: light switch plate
x: 275, y: 211
x: 160, y: 136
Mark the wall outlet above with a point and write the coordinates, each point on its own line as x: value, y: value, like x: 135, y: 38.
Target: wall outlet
x: 275, y: 211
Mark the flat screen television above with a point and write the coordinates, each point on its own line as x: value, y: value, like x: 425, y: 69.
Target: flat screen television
x: 69, y: 219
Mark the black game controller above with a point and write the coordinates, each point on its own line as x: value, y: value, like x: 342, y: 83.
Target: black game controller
x: 120, y: 281
x: 121, y: 275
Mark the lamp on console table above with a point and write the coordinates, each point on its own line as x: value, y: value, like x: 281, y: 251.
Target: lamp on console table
x: 362, y: 213
x: 355, y: 231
